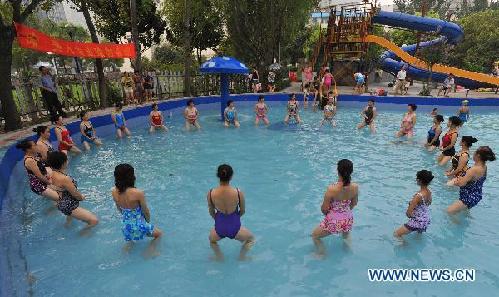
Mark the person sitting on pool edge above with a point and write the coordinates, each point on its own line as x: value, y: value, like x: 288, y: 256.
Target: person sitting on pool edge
x: 261, y: 110
x: 88, y: 134
x: 433, y: 139
x: 156, y: 119
x: 471, y: 184
x: 329, y: 113
x: 226, y: 206
x: 408, y: 122
x: 191, y: 115
x: 369, y: 114
x: 230, y: 115
x: 38, y: 173
x: 418, y: 211
x: 119, y: 121
x: 460, y: 160
x: 67, y: 188
x: 449, y: 141
x: 132, y: 205
x: 292, y: 110
x: 339, y: 200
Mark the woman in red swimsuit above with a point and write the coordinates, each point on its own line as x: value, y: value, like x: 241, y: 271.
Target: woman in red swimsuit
x: 156, y: 119
x: 449, y: 141
x: 66, y: 143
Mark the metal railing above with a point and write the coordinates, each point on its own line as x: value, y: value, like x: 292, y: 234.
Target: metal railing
x: 80, y: 92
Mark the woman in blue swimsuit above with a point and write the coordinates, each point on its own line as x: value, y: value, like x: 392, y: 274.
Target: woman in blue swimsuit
x: 226, y: 206
x: 120, y: 121
x: 470, y: 185
x: 464, y: 111
x: 230, y: 115
x: 131, y: 203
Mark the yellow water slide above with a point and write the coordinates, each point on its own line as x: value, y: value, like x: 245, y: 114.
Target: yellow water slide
x: 415, y: 62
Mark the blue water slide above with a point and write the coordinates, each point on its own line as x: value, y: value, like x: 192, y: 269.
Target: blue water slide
x: 450, y: 33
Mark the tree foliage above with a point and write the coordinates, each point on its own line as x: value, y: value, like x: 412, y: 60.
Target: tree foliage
x: 205, y: 24
x: 479, y: 48
x: 112, y: 19
x: 259, y: 30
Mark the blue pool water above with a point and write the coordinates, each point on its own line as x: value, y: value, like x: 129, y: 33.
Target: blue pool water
x: 283, y: 172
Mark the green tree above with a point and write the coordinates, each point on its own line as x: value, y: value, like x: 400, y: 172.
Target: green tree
x: 478, y: 50
x: 194, y: 24
x: 12, y: 11
x: 262, y: 30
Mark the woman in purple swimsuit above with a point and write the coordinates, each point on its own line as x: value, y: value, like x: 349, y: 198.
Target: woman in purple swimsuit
x: 226, y: 206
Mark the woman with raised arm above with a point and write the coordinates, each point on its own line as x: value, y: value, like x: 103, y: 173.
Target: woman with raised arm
x: 226, y: 206
x: 339, y: 200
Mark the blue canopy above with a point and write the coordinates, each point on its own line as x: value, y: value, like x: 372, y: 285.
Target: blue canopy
x: 227, y: 65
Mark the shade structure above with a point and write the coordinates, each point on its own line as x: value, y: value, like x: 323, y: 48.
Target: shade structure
x: 227, y: 65
x: 224, y: 66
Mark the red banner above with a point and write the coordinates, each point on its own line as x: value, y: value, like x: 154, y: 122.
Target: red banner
x: 30, y: 38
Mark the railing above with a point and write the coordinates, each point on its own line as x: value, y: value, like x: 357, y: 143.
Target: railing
x: 80, y: 92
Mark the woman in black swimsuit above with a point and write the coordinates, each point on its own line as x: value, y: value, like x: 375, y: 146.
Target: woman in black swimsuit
x: 43, y: 143
x: 460, y: 160
x: 67, y: 188
x: 368, y: 116
x: 88, y: 134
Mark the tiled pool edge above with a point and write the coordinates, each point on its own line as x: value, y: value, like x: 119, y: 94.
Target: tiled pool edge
x: 13, y: 155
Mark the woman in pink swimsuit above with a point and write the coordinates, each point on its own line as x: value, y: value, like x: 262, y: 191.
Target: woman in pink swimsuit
x: 408, y: 122
x: 261, y: 110
x: 339, y: 200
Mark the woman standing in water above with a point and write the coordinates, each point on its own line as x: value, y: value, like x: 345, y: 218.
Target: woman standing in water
x: 156, y: 119
x: 408, y: 122
x: 460, y: 160
x: 66, y: 143
x: 38, y: 175
x: 418, y: 211
x: 88, y: 134
x: 433, y: 139
x: 131, y: 203
x: 464, y: 111
x: 449, y: 141
x: 261, y: 110
x: 471, y: 184
x: 292, y: 110
x: 368, y: 116
x: 43, y: 143
x: 329, y: 113
x: 67, y: 188
x: 230, y: 115
x: 226, y: 206
x: 191, y: 115
x: 119, y: 121
x: 339, y: 200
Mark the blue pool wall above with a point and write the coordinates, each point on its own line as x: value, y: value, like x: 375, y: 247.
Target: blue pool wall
x: 13, y: 155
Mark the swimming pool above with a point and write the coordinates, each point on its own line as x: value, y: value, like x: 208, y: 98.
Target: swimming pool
x: 283, y: 172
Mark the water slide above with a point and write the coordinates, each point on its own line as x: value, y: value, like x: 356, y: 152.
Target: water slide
x: 450, y: 33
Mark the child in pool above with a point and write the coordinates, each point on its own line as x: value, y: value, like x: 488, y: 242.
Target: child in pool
x: 292, y: 110
x: 329, y: 113
x: 230, y: 115
x: 261, y: 110
x: 418, y: 211
x: 306, y: 92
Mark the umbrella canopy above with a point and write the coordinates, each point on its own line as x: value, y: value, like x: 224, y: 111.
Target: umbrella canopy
x: 227, y: 65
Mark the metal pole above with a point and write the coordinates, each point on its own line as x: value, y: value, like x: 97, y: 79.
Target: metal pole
x: 224, y: 93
